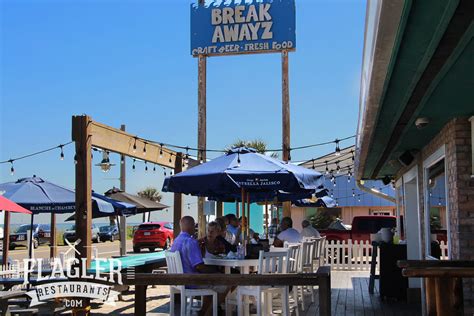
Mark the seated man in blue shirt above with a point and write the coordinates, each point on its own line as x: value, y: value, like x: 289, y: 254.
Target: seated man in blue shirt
x: 192, y: 261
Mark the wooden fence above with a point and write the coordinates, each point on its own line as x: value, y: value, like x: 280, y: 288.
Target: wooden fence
x: 357, y: 255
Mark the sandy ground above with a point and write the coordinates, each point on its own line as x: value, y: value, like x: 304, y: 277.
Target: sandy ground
x: 157, y: 303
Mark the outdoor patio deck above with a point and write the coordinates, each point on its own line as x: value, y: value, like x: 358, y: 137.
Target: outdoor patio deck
x: 350, y: 296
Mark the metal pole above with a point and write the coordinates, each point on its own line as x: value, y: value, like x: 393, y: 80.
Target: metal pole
x: 6, y: 237
x: 201, y: 132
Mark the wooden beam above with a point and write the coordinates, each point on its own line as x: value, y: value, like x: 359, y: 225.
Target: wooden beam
x: 201, y: 133
x: 52, y: 240
x: 285, y: 118
x: 81, y: 135
x: 227, y: 279
x: 122, y: 224
x: 118, y: 141
x: 438, y: 272
x: 178, y: 198
x: 436, y: 263
x: 219, y: 209
x: 6, y: 237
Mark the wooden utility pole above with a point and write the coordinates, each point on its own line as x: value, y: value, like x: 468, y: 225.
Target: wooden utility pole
x: 123, y: 222
x: 285, y: 118
x: 81, y: 135
x: 6, y: 237
x: 178, y: 197
x: 201, y: 131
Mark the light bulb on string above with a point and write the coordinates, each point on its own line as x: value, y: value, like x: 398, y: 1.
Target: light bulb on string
x: 133, y: 165
x: 327, y: 168
x: 352, y: 157
x: 164, y: 171
x: 161, y: 150
x: 289, y: 154
x: 337, y: 152
x: 144, y: 149
x: 313, y: 167
x: 75, y: 159
x: 146, y: 167
x: 238, y: 158
x: 337, y: 202
x: 201, y: 159
x: 348, y: 179
x: 338, y: 168
x: 186, y: 158
x: 358, y: 198
x: 171, y: 172
x: 12, y: 169
x: 135, y: 145
x: 332, y: 193
x: 122, y: 159
x: 439, y: 202
x: 61, y: 155
x: 353, y: 193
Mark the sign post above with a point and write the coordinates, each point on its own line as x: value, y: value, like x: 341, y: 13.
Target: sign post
x: 231, y: 28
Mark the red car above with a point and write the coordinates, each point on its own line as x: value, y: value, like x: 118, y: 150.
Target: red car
x: 153, y: 235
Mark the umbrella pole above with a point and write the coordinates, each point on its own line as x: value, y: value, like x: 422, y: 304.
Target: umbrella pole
x: 237, y: 209
x: 243, y: 214
x: 247, y: 222
x: 6, y: 238
x: 52, y: 239
x: 266, y: 219
x: 30, y: 250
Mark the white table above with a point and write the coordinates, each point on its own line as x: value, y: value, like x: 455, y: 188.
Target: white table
x: 243, y: 264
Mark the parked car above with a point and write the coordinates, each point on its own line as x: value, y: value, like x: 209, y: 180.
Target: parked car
x: 153, y: 235
x: 110, y: 232
x: 361, y: 228
x: 70, y: 234
x: 41, y: 235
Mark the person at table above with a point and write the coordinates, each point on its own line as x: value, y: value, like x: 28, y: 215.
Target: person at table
x: 273, y: 228
x: 192, y: 261
x: 210, y: 245
x: 222, y: 235
x: 253, y: 236
x: 232, y: 229
x: 287, y: 233
x: 308, y: 230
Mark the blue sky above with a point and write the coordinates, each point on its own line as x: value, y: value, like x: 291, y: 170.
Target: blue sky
x: 129, y: 62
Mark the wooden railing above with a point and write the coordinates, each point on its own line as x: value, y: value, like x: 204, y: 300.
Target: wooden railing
x: 443, y: 283
x: 322, y: 279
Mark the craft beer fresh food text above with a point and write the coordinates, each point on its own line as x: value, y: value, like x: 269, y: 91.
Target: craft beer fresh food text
x: 243, y: 28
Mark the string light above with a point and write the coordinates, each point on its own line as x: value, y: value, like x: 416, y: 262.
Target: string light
x: 164, y: 171
x: 133, y: 165
x: 154, y: 167
x: 439, y: 202
x: 144, y: 149
x: 337, y: 202
x: 332, y: 193
x: 352, y: 155
x: 201, y: 157
x: 122, y: 159
x: 186, y: 158
x: 171, y: 172
x: 334, y: 183
x: 146, y: 167
x: 358, y: 199
x: 337, y: 152
x: 161, y: 150
x: 135, y: 146
x: 169, y: 160
x: 289, y: 154
x: 238, y: 158
x: 313, y: 165
x: 61, y: 155
x: 75, y: 159
x: 353, y: 193
x: 327, y: 168
x: 12, y: 169
x: 338, y: 168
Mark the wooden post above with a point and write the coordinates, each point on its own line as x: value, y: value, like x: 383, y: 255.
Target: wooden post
x: 324, y: 274
x: 242, y: 228
x: 6, y: 237
x: 201, y: 131
x: 82, y: 138
x: 219, y: 209
x: 178, y: 197
x: 430, y: 294
x: 247, y: 222
x: 285, y: 118
x: 52, y: 240
x: 123, y: 221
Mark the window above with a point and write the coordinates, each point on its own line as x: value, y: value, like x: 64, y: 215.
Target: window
x: 436, y: 207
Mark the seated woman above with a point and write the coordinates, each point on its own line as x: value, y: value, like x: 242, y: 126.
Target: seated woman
x: 223, y: 234
x: 211, y: 245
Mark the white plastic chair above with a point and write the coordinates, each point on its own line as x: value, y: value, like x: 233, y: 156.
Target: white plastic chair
x: 175, y: 266
x: 268, y: 263
x: 306, y: 266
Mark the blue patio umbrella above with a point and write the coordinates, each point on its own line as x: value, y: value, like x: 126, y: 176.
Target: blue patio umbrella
x: 244, y: 168
x: 40, y: 196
